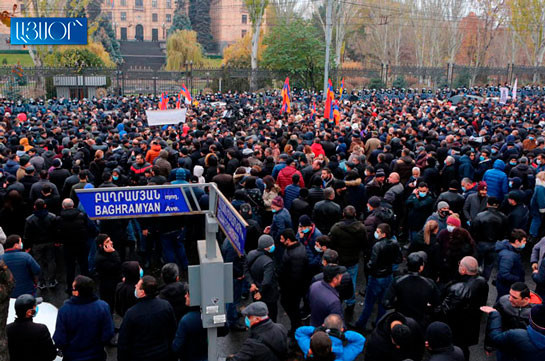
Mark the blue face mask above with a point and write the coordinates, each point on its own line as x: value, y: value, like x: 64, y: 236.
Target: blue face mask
x: 36, y: 312
x: 513, y: 163
x: 422, y: 194
x: 135, y: 293
x: 376, y: 235
x: 522, y: 246
x: 481, y: 158
x: 274, y: 210
x: 494, y: 151
x: 247, y: 322
x: 22, y: 245
x: 271, y: 250
x: 306, y: 230
x: 463, y: 188
x: 115, y: 177
x: 141, y: 273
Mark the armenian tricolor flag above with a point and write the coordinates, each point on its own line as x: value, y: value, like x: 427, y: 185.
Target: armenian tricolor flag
x: 286, y: 104
x: 329, y: 101
x: 342, y: 89
x: 163, y: 103
x: 186, y: 94
x: 336, y: 113
x: 313, y: 110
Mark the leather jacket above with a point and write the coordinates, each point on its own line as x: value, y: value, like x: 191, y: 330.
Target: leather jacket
x: 384, y: 254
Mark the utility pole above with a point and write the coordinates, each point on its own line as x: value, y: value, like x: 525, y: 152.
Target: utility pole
x: 328, y: 29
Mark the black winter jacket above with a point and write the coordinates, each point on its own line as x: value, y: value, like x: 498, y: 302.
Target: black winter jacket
x: 29, y: 341
x: 490, y: 226
x: 349, y: 238
x: 147, y: 331
x: 384, y: 254
x: 461, y: 309
x: 72, y: 227
x: 413, y: 296
x: 40, y: 227
x: 267, y: 342
x: 379, y: 346
x: 293, y: 269
x: 260, y: 271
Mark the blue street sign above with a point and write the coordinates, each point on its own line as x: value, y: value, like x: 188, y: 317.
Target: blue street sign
x: 233, y: 225
x: 48, y: 31
x: 110, y: 203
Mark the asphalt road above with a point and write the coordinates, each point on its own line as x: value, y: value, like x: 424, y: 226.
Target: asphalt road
x: 231, y: 343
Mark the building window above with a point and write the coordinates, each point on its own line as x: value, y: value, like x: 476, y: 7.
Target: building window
x: 244, y: 19
x: 139, y: 3
x: 243, y: 32
x: 169, y: 18
x: 169, y: 4
x: 153, y: 3
x: 110, y: 15
x: 123, y: 16
x: 154, y: 18
x: 123, y: 2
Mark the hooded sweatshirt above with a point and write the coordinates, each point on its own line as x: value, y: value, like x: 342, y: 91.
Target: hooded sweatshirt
x: 198, y: 172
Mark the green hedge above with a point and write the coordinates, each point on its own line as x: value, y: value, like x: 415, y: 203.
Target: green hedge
x: 13, y: 52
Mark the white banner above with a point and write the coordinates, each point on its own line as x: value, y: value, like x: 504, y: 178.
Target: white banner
x: 504, y: 93
x: 169, y: 116
x: 514, y: 97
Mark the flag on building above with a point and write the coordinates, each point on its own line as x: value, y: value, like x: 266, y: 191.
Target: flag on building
x: 286, y: 103
x: 328, y: 110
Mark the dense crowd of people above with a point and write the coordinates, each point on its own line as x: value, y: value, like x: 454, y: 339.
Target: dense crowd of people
x: 418, y: 203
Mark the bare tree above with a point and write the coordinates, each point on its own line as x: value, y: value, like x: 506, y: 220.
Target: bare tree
x: 256, y: 9
x: 286, y: 9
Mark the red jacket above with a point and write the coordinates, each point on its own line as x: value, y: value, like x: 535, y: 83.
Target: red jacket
x: 317, y: 149
x: 284, y: 177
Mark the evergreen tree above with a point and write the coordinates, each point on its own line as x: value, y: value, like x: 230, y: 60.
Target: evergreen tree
x: 180, y: 20
x: 199, y: 14
x: 106, y: 36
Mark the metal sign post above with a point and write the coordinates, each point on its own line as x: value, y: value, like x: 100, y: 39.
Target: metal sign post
x: 210, y: 282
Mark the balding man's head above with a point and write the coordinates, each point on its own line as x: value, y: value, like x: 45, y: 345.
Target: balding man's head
x: 393, y: 178
x: 468, y: 266
x: 334, y: 321
x: 67, y: 203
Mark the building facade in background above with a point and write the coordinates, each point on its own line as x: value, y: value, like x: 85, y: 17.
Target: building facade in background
x: 149, y: 20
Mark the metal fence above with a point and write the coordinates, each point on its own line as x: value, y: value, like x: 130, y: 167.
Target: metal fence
x: 39, y: 82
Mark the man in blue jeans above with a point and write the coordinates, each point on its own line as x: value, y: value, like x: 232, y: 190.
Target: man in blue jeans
x: 349, y: 238
x: 384, y: 255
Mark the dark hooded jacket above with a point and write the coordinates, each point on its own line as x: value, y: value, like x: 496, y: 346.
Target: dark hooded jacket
x: 379, y: 346
x: 124, y: 292
x: 349, y: 238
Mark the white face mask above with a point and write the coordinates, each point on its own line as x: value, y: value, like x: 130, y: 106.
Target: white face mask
x: 450, y: 228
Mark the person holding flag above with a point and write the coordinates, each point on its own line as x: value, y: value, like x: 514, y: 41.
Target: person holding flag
x: 329, y: 101
x: 163, y: 104
x: 286, y: 103
x: 186, y: 94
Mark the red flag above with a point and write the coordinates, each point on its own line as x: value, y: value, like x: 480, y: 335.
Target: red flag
x: 329, y: 101
x: 286, y: 103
